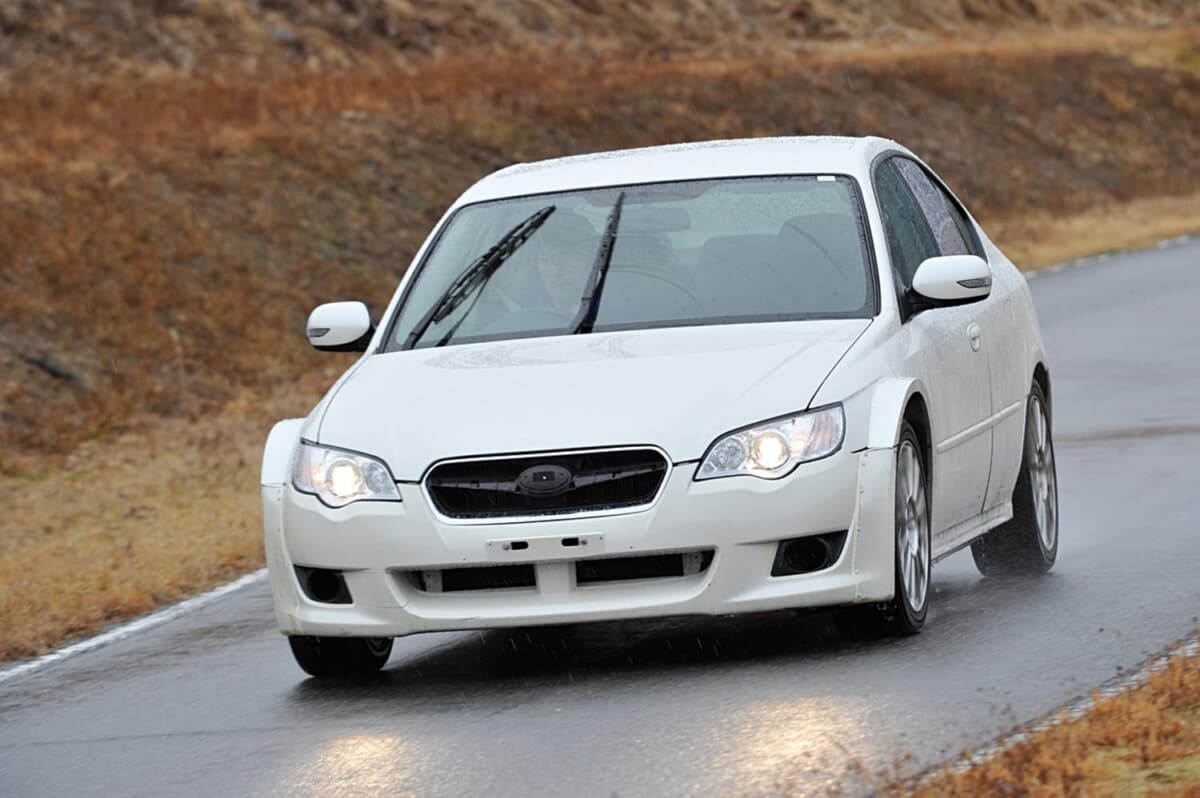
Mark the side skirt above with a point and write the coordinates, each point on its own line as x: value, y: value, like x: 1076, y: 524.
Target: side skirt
x: 960, y: 535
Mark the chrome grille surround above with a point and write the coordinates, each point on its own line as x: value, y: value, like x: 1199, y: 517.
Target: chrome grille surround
x: 552, y: 515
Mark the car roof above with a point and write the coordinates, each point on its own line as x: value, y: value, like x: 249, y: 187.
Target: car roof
x: 692, y: 161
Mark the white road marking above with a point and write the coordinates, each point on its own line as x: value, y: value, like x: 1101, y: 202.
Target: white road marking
x: 156, y: 618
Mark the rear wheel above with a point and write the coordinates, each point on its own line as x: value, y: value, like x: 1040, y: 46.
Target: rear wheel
x: 340, y: 656
x: 905, y: 613
x: 1028, y: 543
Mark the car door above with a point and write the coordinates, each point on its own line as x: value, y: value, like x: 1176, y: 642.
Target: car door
x: 946, y: 346
x: 1009, y: 377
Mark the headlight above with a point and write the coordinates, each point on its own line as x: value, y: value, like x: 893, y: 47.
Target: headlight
x: 338, y: 477
x: 774, y: 448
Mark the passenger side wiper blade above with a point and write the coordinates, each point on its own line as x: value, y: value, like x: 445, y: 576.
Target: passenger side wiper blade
x: 589, y: 304
x: 478, y: 273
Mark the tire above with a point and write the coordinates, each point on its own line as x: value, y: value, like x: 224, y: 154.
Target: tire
x: 340, y: 656
x: 1028, y: 543
x: 905, y: 614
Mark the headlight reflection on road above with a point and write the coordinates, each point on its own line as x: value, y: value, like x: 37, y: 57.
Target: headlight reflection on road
x: 802, y: 741
x: 376, y: 764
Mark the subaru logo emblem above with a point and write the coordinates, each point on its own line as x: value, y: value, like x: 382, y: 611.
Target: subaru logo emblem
x: 545, y: 480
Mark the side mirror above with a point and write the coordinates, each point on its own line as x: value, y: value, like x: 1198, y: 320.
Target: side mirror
x: 953, y: 280
x: 340, y: 327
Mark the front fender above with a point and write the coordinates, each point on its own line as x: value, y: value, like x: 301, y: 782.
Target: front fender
x: 888, y: 399
x: 277, y: 454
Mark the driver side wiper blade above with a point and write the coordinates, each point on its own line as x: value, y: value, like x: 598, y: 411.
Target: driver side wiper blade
x: 589, y: 303
x: 476, y: 274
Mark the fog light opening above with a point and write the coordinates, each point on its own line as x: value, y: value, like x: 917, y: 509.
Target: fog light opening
x: 803, y: 556
x: 323, y: 585
x: 808, y: 554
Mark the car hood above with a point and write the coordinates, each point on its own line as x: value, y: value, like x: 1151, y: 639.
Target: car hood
x: 676, y: 388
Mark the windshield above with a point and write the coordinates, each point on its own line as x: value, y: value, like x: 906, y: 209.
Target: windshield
x: 687, y: 253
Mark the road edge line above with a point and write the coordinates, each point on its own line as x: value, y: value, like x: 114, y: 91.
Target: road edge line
x: 129, y: 628
x: 172, y: 611
x: 1166, y: 243
x: 1187, y: 647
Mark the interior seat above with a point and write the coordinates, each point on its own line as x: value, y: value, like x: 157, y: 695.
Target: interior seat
x: 736, y: 275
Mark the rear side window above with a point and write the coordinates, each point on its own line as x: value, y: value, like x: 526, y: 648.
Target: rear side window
x: 946, y: 217
x: 908, y: 235
x: 961, y: 222
x: 946, y: 232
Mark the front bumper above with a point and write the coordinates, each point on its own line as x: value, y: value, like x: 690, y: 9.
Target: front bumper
x: 378, y: 545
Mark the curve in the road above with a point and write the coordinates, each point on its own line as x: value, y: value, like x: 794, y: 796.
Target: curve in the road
x: 212, y: 703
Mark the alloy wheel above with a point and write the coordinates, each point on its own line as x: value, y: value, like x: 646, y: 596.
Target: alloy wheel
x: 912, y: 523
x: 1042, y: 477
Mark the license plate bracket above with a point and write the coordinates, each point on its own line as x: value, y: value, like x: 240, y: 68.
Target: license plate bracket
x: 545, y: 547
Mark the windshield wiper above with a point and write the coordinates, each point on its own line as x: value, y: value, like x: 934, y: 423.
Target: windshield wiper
x: 589, y: 303
x: 475, y: 275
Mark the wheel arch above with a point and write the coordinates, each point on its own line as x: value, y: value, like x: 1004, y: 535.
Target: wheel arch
x: 1041, y: 376
x: 916, y: 413
x: 277, y: 454
x: 892, y: 402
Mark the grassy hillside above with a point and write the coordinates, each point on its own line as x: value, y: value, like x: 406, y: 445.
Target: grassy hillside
x: 162, y: 242
x: 166, y: 225
x: 200, y: 36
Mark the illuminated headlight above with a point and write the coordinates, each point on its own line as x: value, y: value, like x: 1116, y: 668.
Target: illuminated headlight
x: 338, y: 477
x: 774, y: 448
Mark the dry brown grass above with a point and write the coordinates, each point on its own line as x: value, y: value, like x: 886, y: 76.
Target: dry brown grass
x: 1037, y: 241
x: 158, y: 241
x: 1142, y: 742
x: 129, y: 524
x: 169, y: 37
x: 133, y: 520
x: 161, y: 241
x: 181, y: 181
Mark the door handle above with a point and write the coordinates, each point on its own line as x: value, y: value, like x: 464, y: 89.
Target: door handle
x: 975, y: 336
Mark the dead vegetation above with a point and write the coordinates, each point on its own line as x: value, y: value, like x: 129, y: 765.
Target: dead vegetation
x: 161, y: 242
x: 1142, y: 742
x: 167, y: 222
x: 181, y: 180
x: 167, y: 37
x: 129, y: 523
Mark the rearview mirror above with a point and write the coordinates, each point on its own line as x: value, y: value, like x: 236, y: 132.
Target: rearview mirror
x: 953, y: 279
x: 340, y: 327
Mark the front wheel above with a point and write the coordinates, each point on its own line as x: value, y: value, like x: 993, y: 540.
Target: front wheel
x: 340, y: 656
x: 905, y: 613
x: 1028, y: 543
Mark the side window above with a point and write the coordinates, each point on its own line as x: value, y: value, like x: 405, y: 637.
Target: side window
x: 908, y: 237
x: 961, y: 222
x: 948, y: 231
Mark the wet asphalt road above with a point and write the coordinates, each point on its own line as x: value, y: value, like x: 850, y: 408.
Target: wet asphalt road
x: 213, y: 705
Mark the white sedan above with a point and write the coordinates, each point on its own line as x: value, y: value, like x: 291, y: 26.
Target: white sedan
x: 701, y: 379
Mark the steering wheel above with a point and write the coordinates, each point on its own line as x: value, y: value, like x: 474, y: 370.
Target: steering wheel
x: 662, y: 278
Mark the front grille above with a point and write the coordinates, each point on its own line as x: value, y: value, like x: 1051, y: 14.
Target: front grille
x: 548, y: 484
